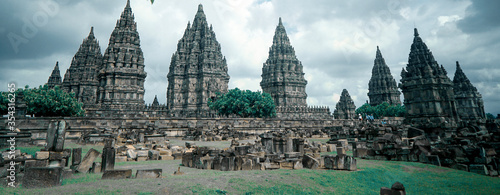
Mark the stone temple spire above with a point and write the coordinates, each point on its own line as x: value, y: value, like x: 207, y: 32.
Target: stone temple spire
x: 470, y: 103
x: 345, y: 108
x: 121, y: 75
x: 382, y: 86
x: 155, y: 102
x: 81, y: 76
x: 428, y: 92
x: 198, y: 70
x: 282, y: 73
x: 55, y: 77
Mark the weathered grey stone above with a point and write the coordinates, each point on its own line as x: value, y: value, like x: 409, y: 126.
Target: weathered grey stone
x: 154, y: 155
x: 35, y: 163
x: 148, y: 173
x: 310, y: 162
x: 42, y: 177
x: 42, y: 155
x: 55, y: 77
x: 81, y: 77
x: 97, y: 167
x: 227, y: 164
x: 192, y: 81
x: 382, y: 86
x: 345, y: 108
x: 428, y: 92
x: 77, y: 156
x: 108, y: 159
x: 478, y: 168
x: 87, y: 161
x: 282, y: 74
x: 470, y: 105
x: 117, y: 174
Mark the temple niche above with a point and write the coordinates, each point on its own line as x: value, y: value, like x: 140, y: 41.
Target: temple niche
x: 198, y: 70
x: 55, y: 77
x: 345, y: 108
x: 81, y: 76
x: 428, y: 92
x: 469, y: 101
x: 121, y: 75
x: 382, y: 86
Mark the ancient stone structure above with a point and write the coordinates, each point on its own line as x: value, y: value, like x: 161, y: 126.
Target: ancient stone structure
x: 55, y: 77
x: 469, y: 101
x: 121, y: 76
x: 382, y: 86
x: 345, y: 108
x: 198, y: 70
x: 282, y: 74
x: 81, y: 76
x: 155, y: 102
x: 428, y: 92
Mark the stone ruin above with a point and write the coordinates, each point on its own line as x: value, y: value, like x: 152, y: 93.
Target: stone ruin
x: 472, y: 148
x: 274, y: 150
x: 222, y: 134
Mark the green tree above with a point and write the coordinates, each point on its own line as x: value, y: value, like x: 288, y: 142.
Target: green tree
x: 382, y: 110
x: 490, y: 116
x: 244, y: 104
x: 43, y: 101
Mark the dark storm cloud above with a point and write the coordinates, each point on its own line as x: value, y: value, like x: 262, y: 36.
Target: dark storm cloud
x: 481, y: 16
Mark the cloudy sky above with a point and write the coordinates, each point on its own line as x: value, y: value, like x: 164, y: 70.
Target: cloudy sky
x: 335, y: 40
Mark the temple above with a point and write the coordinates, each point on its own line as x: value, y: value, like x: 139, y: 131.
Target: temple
x: 345, y: 108
x: 121, y: 76
x: 198, y: 70
x: 382, y: 86
x: 55, y: 77
x: 81, y: 76
x: 428, y: 92
x: 469, y: 101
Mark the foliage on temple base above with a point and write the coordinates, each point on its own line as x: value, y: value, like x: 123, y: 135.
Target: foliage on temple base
x: 244, y: 104
x: 382, y: 110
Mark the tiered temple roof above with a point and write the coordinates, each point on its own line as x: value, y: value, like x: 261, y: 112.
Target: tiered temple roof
x: 122, y: 74
x: 382, y: 86
x: 55, y: 77
x: 428, y: 92
x: 198, y: 70
x: 81, y: 76
x: 469, y: 101
x: 345, y: 108
x: 282, y: 74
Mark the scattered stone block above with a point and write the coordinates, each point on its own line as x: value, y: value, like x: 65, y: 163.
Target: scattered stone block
x: 77, y: 156
x: 108, y: 157
x: 142, y: 158
x: 154, y: 155
x: 35, y: 163
x: 87, y: 161
x: 190, y: 144
x: 341, y: 151
x: 247, y: 165
x: 96, y: 167
x: 479, y: 169
x: 42, y: 177
x: 42, y: 155
x: 120, y: 159
x: 142, y: 153
x: 131, y: 154
x: 148, y: 174
x: 117, y: 174
x: 330, y: 147
x: 166, y: 157
x: 433, y: 160
x: 310, y: 162
x: 227, y: 164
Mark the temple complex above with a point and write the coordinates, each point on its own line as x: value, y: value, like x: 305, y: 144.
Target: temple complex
x: 121, y: 76
x: 55, y: 77
x: 428, y: 92
x: 81, y: 76
x: 469, y: 101
x: 282, y: 74
x: 345, y: 108
x: 198, y: 70
x: 382, y: 86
